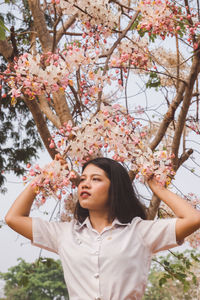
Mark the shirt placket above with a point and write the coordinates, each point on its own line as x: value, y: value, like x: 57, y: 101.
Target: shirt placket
x: 95, y: 258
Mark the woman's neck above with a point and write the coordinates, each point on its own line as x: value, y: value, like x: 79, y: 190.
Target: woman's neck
x: 99, y: 220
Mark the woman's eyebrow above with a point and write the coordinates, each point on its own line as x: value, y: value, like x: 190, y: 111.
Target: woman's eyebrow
x: 94, y: 174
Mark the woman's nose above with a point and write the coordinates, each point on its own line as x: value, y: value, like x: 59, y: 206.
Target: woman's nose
x: 86, y: 184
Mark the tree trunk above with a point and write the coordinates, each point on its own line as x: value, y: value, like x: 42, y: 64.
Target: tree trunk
x: 41, y: 125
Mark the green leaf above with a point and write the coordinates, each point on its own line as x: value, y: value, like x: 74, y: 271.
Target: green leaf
x: 162, y: 281
x: 24, y: 281
x: 35, y: 281
x: 166, y: 263
x: 3, y: 28
x: 154, y: 80
x: 195, y: 257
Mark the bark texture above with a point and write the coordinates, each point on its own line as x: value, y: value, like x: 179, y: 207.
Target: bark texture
x: 40, y: 26
x: 61, y: 107
x: 6, y: 50
x: 195, y: 69
x: 41, y: 125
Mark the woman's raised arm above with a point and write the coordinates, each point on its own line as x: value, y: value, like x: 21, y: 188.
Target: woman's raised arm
x: 18, y: 215
x: 188, y: 217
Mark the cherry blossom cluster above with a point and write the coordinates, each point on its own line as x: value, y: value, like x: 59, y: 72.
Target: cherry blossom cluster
x: 38, y: 74
x: 50, y: 72
x: 164, y: 18
x: 69, y: 207
x: 47, y: 73
x: 168, y: 60
x: 112, y: 133
x: 52, y: 180
x: 99, y: 12
x: 132, y: 53
x: 166, y: 212
x: 116, y: 134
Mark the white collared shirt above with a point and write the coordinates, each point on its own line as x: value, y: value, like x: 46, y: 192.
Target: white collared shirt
x: 111, y: 265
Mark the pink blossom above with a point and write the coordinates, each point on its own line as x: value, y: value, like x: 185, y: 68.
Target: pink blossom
x: 32, y: 172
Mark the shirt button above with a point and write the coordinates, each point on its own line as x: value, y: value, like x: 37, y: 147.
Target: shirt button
x: 96, y: 275
x: 97, y: 298
x: 98, y: 238
x: 96, y: 252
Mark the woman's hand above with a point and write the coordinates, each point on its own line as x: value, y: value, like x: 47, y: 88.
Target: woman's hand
x: 188, y: 218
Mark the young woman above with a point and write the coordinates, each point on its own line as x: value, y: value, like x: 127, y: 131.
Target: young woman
x: 106, y: 250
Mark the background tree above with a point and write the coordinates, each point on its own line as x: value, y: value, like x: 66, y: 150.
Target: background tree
x: 70, y: 61
x: 42, y: 279
x: 181, y: 280
x: 19, y: 140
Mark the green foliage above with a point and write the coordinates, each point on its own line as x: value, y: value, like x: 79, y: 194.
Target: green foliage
x: 174, y: 277
x: 154, y: 81
x: 136, y: 23
x: 35, y: 281
x: 3, y: 29
x: 19, y: 138
x: 19, y: 141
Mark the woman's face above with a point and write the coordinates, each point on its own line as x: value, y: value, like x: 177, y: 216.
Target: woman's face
x: 93, y: 189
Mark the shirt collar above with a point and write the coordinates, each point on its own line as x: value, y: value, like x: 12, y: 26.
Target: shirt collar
x: 80, y: 225
x: 117, y: 222
x: 87, y: 223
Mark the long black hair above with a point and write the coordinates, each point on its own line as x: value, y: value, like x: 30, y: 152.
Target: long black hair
x: 123, y: 203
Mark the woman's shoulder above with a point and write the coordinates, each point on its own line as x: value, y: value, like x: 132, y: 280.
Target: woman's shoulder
x: 136, y: 220
x: 149, y: 223
x: 58, y: 224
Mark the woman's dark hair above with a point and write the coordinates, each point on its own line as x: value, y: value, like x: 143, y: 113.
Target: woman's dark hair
x: 123, y: 203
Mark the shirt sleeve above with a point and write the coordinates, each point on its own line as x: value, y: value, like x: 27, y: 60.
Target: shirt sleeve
x: 158, y: 234
x: 46, y: 234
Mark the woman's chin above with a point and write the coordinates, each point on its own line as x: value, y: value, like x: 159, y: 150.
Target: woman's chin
x: 85, y: 204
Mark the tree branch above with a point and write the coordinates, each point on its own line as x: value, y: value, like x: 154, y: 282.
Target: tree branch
x: 168, y: 117
x: 61, y: 107
x: 110, y: 52
x: 33, y: 35
x: 155, y: 201
x: 41, y: 125
x: 153, y: 207
x: 6, y: 50
x: 55, y: 33
x: 40, y: 25
x: 178, y: 62
x: 121, y: 5
x: 195, y: 69
x: 184, y: 157
x: 64, y: 28
x: 45, y: 108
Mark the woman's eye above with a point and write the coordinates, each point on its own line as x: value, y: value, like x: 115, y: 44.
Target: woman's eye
x: 96, y: 179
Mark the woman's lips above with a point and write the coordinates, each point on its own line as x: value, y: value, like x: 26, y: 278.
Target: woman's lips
x: 85, y: 195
